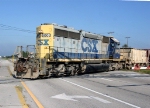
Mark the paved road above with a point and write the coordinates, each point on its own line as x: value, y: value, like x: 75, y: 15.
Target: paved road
x: 116, y: 89
x: 10, y: 89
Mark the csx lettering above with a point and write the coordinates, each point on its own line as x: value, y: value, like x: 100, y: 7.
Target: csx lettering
x: 87, y: 44
x: 43, y: 42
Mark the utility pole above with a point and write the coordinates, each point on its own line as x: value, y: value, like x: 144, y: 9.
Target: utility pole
x: 110, y: 33
x: 127, y: 41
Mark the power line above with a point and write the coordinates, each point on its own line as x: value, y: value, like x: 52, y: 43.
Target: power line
x: 7, y: 27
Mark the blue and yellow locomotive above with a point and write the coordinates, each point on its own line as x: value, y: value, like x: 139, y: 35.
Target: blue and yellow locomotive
x: 65, y: 51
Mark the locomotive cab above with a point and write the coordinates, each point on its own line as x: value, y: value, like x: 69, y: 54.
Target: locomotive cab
x: 114, y: 50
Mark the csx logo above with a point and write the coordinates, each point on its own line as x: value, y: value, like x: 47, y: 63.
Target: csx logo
x: 43, y: 42
x: 89, y: 45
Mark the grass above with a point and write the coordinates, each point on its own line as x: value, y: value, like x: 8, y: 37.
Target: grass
x: 144, y: 71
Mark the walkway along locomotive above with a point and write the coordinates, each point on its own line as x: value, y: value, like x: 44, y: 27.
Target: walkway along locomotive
x: 65, y: 51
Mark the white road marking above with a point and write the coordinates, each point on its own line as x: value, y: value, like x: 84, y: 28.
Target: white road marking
x: 100, y: 93
x: 100, y: 99
x: 106, y: 79
x: 67, y: 97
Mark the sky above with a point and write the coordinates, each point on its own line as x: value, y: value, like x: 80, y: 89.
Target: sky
x: 124, y: 18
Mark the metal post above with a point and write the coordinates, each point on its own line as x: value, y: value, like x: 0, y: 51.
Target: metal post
x: 127, y: 41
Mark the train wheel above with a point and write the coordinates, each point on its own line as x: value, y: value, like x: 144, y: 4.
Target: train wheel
x: 72, y: 73
x: 113, y: 68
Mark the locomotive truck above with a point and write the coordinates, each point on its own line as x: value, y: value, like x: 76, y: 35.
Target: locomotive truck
x: 61, y: 50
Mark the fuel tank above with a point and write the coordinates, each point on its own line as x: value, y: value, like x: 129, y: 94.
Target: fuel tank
x: 92, y: 68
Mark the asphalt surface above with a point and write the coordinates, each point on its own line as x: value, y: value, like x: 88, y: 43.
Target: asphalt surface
x: 8, y: 94
x: 115, y: 89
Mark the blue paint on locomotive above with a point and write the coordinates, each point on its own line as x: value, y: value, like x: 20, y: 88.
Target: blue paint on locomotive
x: 85, y: 48
x: 114, y: 51
x: 89, y: 43
x: 68, y: 55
